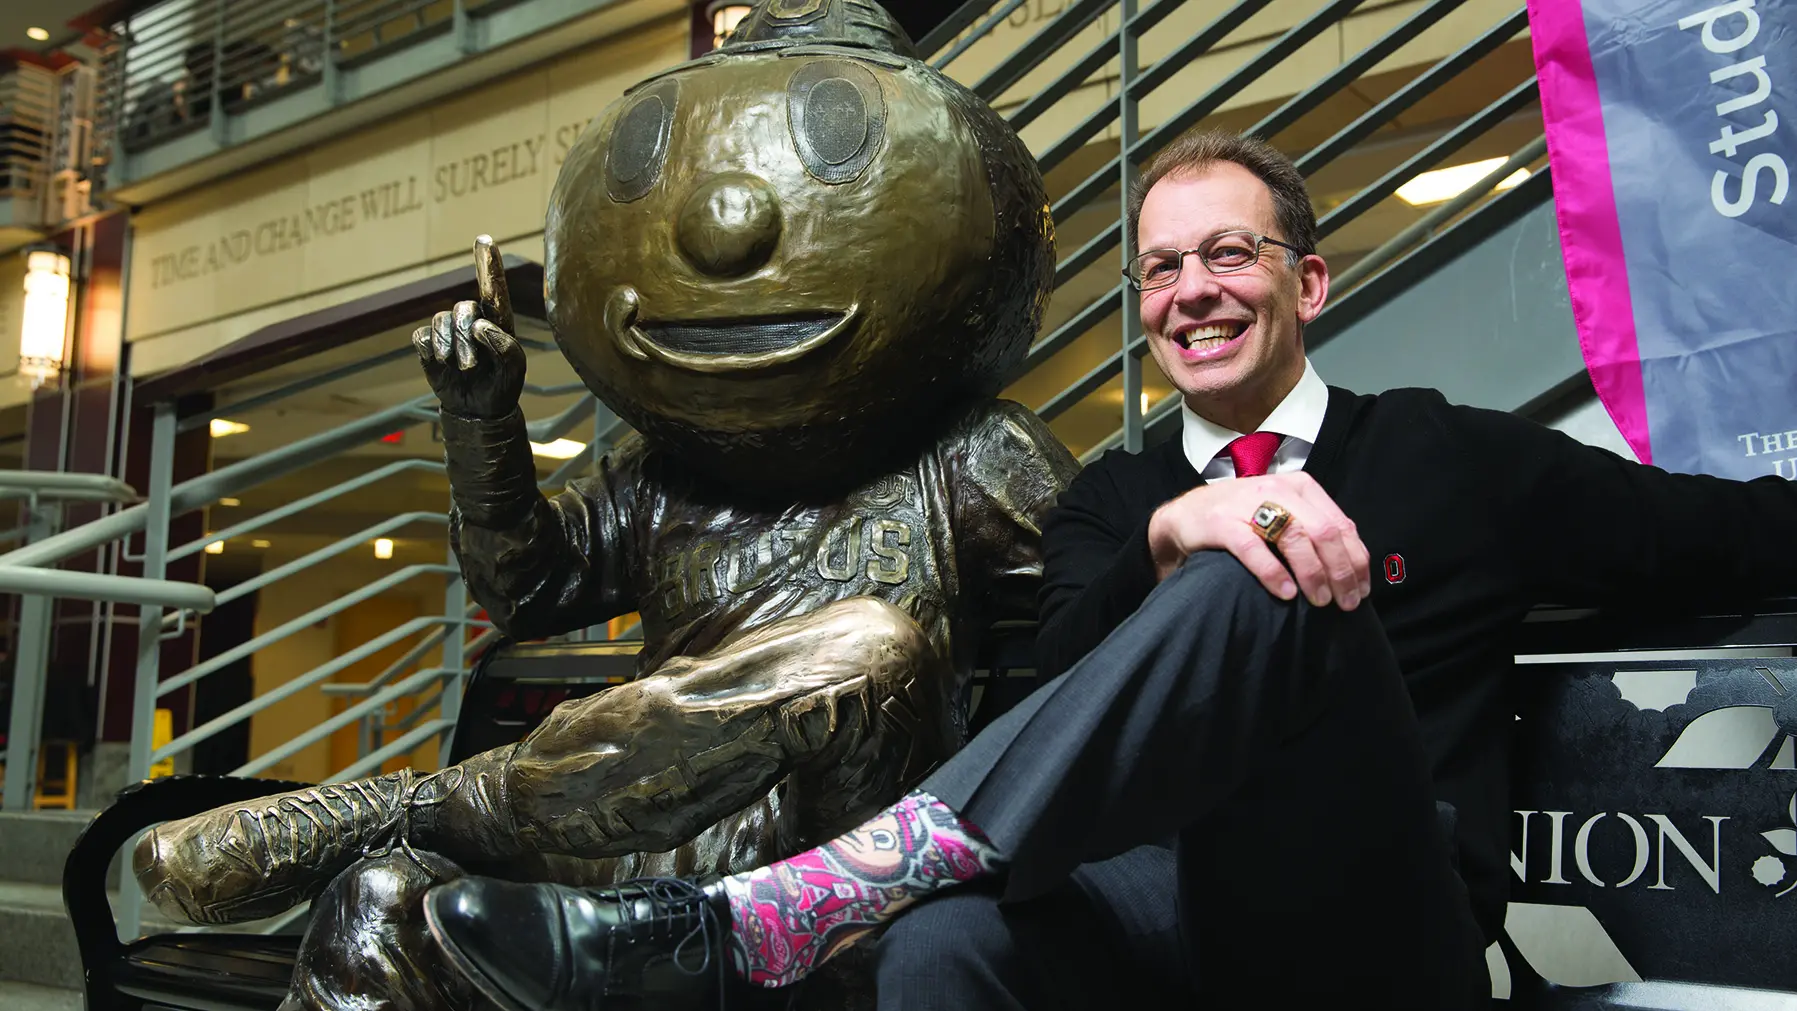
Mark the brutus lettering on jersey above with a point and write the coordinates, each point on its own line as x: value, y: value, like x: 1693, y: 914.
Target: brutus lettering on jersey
x: 857, y: 547
x: 875, y: 539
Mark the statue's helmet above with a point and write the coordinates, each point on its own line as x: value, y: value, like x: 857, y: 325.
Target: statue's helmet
x: 794, y: 257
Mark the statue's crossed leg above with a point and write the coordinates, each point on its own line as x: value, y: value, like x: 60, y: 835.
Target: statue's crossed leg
x: 715, y: 763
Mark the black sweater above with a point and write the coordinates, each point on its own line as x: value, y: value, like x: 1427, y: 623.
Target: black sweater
x: 1492, y: 515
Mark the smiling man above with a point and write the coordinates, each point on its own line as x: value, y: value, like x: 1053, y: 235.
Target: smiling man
x: 1243, y: 787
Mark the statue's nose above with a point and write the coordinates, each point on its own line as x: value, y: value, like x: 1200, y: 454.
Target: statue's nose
x: 730, y: 225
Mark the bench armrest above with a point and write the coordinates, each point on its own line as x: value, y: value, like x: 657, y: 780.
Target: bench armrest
x: 138, y: 807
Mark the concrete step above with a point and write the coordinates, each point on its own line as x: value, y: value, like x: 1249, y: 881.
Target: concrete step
x: 37, y: 842
x: 31, y: 997
x: 37, y: 941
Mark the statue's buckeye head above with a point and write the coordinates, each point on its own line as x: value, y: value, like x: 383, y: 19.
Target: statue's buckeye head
x: 795, y: 256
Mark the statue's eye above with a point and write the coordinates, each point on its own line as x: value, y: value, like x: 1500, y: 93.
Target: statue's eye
x: 639, y: 142
x: 838, y: 118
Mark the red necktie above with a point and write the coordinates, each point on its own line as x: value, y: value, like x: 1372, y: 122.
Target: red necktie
x: 1252, y: 454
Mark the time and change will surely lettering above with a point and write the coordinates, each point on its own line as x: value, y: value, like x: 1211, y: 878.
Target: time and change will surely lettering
x: 511, y: 162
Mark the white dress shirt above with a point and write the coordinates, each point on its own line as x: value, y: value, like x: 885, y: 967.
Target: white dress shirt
x: 1298, y: 419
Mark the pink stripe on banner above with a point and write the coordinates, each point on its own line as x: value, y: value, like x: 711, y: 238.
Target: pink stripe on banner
x: 1585, y: 204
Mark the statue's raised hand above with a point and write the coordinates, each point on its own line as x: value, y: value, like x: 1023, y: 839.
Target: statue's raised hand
x: 472, y: 360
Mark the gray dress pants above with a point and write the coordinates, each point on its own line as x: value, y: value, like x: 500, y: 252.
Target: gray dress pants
x: 1276, y: 744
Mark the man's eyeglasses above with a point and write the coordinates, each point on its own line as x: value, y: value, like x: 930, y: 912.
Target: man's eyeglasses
x: 1223, y: 253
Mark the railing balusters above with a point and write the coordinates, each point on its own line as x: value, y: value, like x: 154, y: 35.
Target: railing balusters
x: 1127, y: 96
x: 1432, y: 79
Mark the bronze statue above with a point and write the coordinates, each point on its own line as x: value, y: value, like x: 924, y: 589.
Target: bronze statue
x: 801, y: 267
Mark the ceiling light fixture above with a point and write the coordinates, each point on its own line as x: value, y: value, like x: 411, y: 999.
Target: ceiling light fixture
x: 260, y: 543
x: 1443, y: 184
x: 43, y: 333
x: 216, y: 548
x: 222, y: 427
x: 36, y: 34
x: 383, y: 548
x: 560, y: 449
x: 724, y: 19
x: 230, y: 501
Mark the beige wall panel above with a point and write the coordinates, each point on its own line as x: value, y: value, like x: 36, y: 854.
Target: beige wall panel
x: 14, y: 389
x: 158, y: 352
x: 1298, y: 71
x: 1022, y: 25
x: 12, y: 308
x: 377, y: 184
x: 488, y: 157
x: 581, y: 87
x: 1068, y: 113
x: 235, y: 245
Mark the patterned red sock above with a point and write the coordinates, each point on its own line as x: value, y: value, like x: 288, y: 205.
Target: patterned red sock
x: 792, y: 915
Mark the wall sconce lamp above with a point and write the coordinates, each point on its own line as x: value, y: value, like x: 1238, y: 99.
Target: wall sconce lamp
x: 43, y: 332
x: 724, y: 18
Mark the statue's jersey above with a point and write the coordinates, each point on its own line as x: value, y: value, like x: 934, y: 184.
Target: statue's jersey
x: 953, y: 539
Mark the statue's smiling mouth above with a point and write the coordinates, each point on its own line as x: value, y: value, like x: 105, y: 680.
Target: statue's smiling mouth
x: 723, y: 345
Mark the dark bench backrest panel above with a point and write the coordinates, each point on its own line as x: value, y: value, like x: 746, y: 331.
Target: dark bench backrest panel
x: 1658, y: 795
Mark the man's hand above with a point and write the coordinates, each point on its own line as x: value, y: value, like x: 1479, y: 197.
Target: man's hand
x: 1321, y: 545
x: 469, y: 355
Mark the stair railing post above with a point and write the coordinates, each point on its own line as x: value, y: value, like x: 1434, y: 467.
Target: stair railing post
x: 30, y: 678
x: 455, y: 611
x: 149, y: 634
x: 328, y: 53
x: 1128, y: 129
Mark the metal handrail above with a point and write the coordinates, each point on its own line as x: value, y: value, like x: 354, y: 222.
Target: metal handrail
x: 207, y: 489
x: 1387, y: 251
x: 1506, y: 106
x: 299, y: 624
x: 1443, y: 71
x: 298, y: 506
x: 328, y: 552
x: 551, y: 429
x: 402, y: 746
x: 349, y: 715
x: 28, y: 581
x: 404, y: 663
x: 293, y: 687
x: 985, y: 28
x: 65, y: 486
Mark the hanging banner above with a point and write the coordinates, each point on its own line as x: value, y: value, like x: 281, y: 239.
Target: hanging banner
x: 1672, y: 135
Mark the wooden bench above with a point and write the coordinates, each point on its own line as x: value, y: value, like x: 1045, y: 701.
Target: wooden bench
x: 1655, y: 833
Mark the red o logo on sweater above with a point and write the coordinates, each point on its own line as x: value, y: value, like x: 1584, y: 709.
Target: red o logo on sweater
x: 1394, y: 569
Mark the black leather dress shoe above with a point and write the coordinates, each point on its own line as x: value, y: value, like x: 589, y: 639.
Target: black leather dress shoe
x: 654, y: 944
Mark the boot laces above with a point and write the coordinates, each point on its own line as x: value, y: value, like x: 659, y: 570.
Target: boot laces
x: 308, y: 829
x: 670, y: 907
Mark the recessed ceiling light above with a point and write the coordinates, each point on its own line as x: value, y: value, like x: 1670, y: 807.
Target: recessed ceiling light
x: 221, y: 427
x: 260, y: 543
x: 37, y: 34
x: 1443, y: 184
x: 230, y: 502
x: 560, y: 449
x: 216, y: 548
x: 383, y: 548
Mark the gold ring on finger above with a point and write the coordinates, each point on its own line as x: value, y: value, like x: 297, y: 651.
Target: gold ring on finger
x: 1270, y: 520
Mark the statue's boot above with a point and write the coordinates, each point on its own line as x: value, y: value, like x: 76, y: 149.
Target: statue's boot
x: 259, y: 858
x: 366, y: 947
